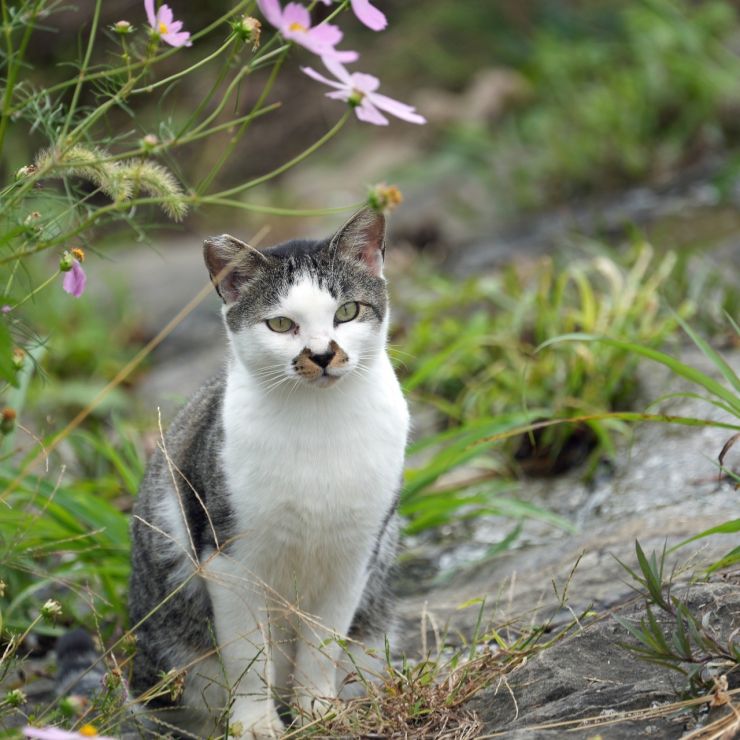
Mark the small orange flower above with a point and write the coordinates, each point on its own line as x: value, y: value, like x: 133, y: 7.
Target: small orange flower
x: 78, y: 254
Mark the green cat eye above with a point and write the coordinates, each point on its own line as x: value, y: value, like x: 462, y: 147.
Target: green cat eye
x: 280, y: 324
x: 347, y: 312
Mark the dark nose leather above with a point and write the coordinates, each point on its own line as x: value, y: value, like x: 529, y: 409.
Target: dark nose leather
x: 322, y: 360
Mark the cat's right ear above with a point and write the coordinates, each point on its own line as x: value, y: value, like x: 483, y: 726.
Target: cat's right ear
x: 230, y: 264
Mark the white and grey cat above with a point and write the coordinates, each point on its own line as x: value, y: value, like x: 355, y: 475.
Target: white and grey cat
x: 266, y: 527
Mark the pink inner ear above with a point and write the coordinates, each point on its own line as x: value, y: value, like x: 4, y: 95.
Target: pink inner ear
x: 372, y: 255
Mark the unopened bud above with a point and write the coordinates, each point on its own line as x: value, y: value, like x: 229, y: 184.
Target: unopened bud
x: 66, y: 261
x: 26, y: 171
x: 51, y: 609
x: 7, y: 420
x: 122, y: 27
x: 149, y: 142
x: 15, y: 697
x: 19, y: 357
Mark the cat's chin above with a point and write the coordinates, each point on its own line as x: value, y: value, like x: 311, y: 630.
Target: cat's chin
x: 324, y: 381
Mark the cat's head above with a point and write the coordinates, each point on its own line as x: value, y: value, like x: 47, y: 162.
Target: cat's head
x: 308, y: 311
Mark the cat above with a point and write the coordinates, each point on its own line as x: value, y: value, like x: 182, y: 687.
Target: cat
x: 266, y: 527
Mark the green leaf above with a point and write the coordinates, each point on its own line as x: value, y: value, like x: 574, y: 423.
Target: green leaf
x: 717, y: 360
x: 679, y: 368
x: 730, y: 527
x: 8, y: 370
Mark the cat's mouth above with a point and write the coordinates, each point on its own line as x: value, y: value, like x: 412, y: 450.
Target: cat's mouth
x: 321, y: 369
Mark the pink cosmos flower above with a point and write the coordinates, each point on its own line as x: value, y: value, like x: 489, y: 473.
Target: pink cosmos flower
x: 75, y: 280
x: 55, y: 733
x: 163, y: 23
x: 294, y: 23
x: 367, y: 14
x: 359, y: 91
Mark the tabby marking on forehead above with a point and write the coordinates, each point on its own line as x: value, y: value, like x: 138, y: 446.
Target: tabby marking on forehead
x: 300, y: 262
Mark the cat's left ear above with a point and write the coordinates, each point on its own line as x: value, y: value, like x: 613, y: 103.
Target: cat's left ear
x: 363, y: 238
x: 230, y: 263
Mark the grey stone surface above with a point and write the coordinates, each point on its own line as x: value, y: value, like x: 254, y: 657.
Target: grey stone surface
x: 591, y: 676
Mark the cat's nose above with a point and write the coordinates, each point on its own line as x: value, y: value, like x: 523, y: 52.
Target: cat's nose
x: 323, y: 359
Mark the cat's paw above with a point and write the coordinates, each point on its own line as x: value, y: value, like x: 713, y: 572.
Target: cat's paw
x: 255, y: 722
x: 311, y: 708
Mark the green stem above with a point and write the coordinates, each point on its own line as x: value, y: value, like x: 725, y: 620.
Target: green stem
x: 275, y: 210
x: 290, y: 163
x: 229, y: 150
x: 37, y: 289
x: 137, y: 65
x: 186, y: 71
x: 82, y: 72
x: 14, y: 62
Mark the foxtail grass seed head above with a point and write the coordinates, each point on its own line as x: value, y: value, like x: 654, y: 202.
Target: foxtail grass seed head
x: 15, y: 698
x: 122, y: 27
x: 7, y: 425
x: 88, y: 163
x: 51, y: 609
x: 248, y: 30
x: 384, y: 198
x: 2, y: 589
x: 157, y: 181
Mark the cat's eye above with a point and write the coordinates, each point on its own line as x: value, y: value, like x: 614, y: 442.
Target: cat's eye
x: 280, y: 324
x: 347, y: 312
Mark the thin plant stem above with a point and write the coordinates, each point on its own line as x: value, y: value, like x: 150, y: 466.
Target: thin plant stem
x: 37, y: 289
x: 138, y: 65
x: 188, y: 70
x: 15, y: 60
x: 83, y: 70
x: 228, y: 151
x: 333, y: 131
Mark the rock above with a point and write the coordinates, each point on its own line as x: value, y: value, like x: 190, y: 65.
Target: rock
x: 591, y: 675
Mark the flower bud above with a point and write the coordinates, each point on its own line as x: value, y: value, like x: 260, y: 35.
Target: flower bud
x: 15, y: 697
x: 7, y: 420
x: 248, y: 30
x: 51, y: 609
x: 66, y: 262
x: 122, y: 27
x: 384, y: 198
x: 149, y: 143
x: 19, y: 357
x: 26, y: 171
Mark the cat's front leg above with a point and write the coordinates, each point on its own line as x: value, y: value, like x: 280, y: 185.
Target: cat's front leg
x: 240, y: 622
x: 319, y: 650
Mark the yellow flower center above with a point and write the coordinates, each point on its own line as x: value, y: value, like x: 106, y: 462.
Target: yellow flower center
x: 88, y: 730
x: 295, y: 26
x: 162, y: 28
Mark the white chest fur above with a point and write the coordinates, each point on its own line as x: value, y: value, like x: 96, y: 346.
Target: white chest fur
x: 311, y: 473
